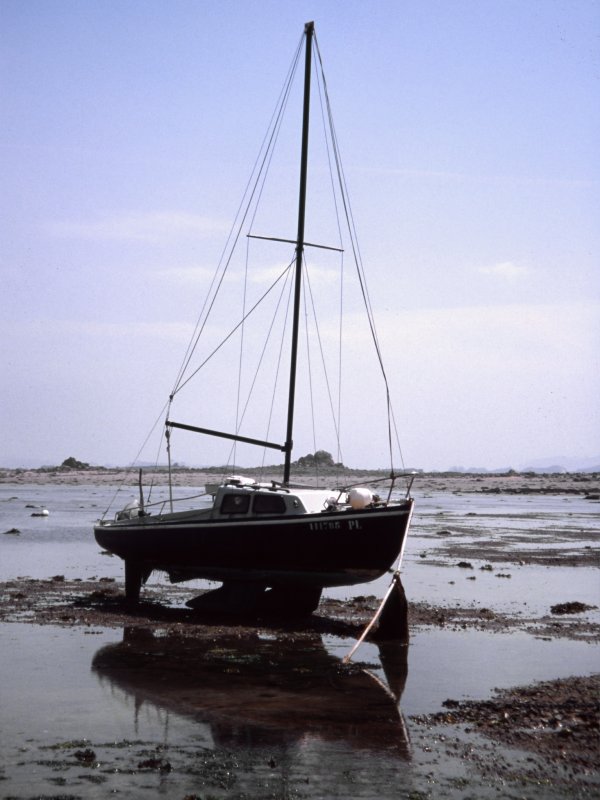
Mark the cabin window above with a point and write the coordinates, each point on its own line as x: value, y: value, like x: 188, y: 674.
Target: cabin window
x: 235, y: 504
x: 268, y: 504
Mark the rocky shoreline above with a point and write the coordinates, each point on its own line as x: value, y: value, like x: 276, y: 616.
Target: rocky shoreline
x: 557, y: 719
x: 72, y: 603
x: 586, y: 484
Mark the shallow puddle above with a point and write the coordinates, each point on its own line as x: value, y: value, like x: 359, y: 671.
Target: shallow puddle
x: 98, y: 711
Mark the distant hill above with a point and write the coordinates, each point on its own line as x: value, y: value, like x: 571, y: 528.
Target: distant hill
x: 563, y: 464
x: 544, y: 466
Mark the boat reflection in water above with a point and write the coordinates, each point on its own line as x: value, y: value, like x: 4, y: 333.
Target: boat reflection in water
x: 256, y: 691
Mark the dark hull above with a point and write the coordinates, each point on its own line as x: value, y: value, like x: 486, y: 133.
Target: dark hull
x: 335, y: 549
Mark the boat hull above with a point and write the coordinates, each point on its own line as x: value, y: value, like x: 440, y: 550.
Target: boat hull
x: 321, y: 549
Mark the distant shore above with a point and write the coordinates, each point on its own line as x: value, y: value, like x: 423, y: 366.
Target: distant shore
x: 587, y: 484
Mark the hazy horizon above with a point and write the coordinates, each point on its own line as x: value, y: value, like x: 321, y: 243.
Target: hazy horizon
x: 563, y: 462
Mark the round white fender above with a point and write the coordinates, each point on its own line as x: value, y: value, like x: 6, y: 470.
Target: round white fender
x: 360, y: 497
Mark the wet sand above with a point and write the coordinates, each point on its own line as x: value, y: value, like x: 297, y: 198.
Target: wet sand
x: 559, y: 720
x: 556, y: 724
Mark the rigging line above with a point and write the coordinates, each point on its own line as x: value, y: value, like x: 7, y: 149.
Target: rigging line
x: 139, y: 452
x: 309, y: 364
x: 343, y: 187
x: 358, y: 260
x: 191, y: 349
x: 328, y: 145
x: 320, y: 78
x: 263, y: 351
x: 398, y: 445
x: 278, y: 369
x: 230, y: 334
x: 241, y: 356
x: 336, y: 421
x: 371, y: 320
x: 263, y: 148
x: 345, y: 197
x: 340, y: 357
x: 265, y: 167
x: 151, y: 487
x: 245, y: 203
x: 276, y: 130
x: 153, y: 428
x: 232, y: 452
x: 288, y: 284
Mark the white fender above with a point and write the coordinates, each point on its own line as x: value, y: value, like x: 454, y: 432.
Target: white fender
x: 360, y: 497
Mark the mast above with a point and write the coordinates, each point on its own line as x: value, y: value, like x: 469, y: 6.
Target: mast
x: 308, y: 31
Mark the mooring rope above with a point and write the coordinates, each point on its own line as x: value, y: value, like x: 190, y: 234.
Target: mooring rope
x: 395, y: 580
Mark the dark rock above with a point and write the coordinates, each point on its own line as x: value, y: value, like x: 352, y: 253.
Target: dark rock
x: 85, y: 756
x: 155, y: 763
x: 573, y: 607
x: 451, y: 704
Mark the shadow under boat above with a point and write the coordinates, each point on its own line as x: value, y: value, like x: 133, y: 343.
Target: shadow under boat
x: 259, y: 691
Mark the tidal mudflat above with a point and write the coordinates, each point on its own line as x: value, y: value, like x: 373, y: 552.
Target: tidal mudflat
x: 496, y: 694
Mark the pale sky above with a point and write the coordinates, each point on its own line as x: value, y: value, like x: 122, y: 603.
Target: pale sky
x: 469, y: 132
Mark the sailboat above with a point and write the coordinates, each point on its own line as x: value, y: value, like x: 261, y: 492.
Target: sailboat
x: 273, y: 545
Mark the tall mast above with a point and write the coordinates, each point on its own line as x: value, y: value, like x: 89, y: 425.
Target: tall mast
x: 308, y: 31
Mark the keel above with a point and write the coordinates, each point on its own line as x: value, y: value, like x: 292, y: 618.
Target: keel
x: 134, y: 577
x: 256, y: 599
x: 393, y: 620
